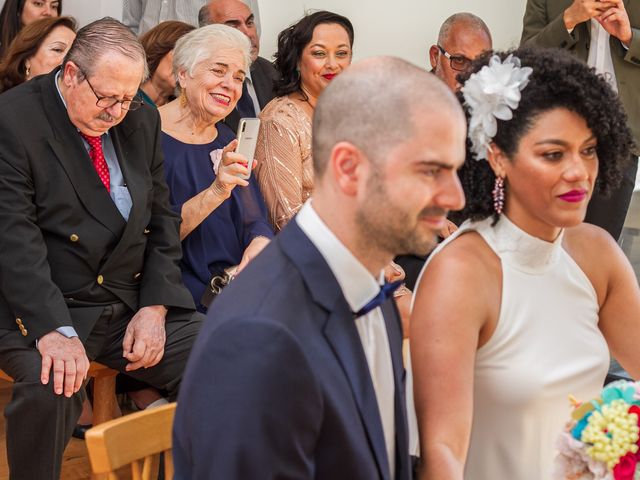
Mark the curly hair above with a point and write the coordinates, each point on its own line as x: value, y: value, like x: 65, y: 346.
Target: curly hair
x: 559, y: 80
x: 10, y: 23
x: 291, y: 43
x: 13, y: 67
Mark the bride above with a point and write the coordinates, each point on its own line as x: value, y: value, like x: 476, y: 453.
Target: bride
x: 521, y: 306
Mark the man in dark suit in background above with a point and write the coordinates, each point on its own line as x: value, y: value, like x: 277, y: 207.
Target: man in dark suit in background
x: 90, y: 248
x: 302, y: 354
x: 462, y: 37
x: 257, y: 89
x: 606, y: 35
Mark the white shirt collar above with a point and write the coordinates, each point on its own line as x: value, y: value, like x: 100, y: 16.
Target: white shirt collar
x: 357, y: 284
x: 58, y: 87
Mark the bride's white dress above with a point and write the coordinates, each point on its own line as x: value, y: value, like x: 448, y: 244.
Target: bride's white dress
x: 546, y: 346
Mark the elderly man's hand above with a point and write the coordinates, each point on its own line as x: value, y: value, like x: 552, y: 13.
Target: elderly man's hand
x: 68, y: 359
x: 145, y: 337
x: 616, y: 22
x: 232, y: 165
x: 583, y: 10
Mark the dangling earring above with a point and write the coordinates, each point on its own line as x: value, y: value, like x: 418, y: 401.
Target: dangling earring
x: 183, y: 98
x: 498, y: 195
x: 27, y: 72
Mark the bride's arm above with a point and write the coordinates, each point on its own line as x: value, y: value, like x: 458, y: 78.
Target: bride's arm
x: 457, y: 293
x: 618, y: 293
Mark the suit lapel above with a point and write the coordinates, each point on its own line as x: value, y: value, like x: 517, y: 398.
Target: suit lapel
x: 134, y: 179
x: 70, y: 152
x: 340, y: 332
x: 394, y: 332
x: 342, y: 335
x: 261, y: 83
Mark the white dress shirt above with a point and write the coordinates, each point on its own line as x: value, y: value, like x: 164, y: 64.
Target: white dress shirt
x: 142, y: 15
x: 359, y: 287
x: 600, y: 54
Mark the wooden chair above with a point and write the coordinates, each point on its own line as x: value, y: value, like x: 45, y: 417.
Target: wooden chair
x: 137, y: 440
x: 104, y: 391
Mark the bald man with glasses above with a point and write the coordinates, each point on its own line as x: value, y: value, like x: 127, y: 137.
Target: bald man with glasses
x: 462, y: 37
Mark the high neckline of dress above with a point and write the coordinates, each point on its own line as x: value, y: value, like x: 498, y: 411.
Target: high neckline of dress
x: 524, y: 251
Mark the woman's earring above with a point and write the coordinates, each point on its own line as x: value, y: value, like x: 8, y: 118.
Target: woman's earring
x: 183, y: 98
x: 498, y: 195
x: 27, y: 72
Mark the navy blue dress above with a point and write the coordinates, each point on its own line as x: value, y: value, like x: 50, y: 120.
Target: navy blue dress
x: 220, y: 240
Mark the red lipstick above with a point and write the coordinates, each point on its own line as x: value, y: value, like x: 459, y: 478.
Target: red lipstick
x: 574, y: 196
x: 329, y: 76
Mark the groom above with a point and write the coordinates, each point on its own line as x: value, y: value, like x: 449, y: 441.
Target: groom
x: 297, y: 372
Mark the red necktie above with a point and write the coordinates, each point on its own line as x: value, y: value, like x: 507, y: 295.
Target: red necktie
x: 97, y: 158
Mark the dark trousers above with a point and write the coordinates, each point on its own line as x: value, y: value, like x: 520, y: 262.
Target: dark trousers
x: 39, y: 423
x: 610, y: 212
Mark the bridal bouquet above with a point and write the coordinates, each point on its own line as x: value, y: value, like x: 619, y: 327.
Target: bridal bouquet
x: 601, y: 441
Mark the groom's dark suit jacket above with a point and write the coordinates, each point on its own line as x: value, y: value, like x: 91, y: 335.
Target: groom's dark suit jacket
x: 278, y: 386
x: 65, y: 249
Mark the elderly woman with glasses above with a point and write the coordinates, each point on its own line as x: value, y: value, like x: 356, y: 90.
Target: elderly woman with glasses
x: 223, y: 216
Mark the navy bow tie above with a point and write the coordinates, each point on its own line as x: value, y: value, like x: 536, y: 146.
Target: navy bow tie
x: 386, y: 291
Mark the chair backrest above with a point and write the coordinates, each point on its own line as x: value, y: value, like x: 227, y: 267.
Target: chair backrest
x: 136, y: 439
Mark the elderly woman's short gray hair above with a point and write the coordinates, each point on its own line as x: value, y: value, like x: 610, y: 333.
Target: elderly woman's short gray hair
x: 205, y: 42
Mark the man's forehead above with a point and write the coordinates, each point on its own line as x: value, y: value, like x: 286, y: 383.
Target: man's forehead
x: 222, y: 12
x: 117, y: 75
x: 467, y: 40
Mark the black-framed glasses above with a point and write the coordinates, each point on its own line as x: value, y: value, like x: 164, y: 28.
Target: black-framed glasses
x: 458, y: 62
x: 108, y: 102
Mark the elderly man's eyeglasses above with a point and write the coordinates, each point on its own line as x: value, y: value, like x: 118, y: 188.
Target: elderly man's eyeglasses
x: 108, y: 102
x: 458, y: 62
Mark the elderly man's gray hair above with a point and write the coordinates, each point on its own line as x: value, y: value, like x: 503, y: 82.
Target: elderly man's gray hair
x: 469, y: 20
x: 372, y: 106
x: 103, y: 36
x: 203, y: 43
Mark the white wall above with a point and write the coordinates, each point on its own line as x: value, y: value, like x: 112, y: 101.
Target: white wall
x: 85, y: 11
x: 405, y: 28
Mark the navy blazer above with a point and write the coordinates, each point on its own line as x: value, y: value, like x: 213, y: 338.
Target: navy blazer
x: 278, y: 385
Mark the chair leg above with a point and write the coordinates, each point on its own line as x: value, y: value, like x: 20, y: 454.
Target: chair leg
x: 104, y: 399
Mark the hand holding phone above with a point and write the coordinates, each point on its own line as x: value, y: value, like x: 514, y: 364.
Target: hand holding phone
x: 247, y: 140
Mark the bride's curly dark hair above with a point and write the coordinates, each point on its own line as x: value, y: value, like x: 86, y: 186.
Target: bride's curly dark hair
x: 559, y: 80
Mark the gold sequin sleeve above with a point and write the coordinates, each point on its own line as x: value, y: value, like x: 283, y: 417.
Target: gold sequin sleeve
x: 285, y: 166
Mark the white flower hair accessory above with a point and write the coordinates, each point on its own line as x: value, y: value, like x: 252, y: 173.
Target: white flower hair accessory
x: 490, y: 94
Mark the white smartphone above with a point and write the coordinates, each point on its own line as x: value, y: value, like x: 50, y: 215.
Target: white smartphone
x: 247, y: 140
